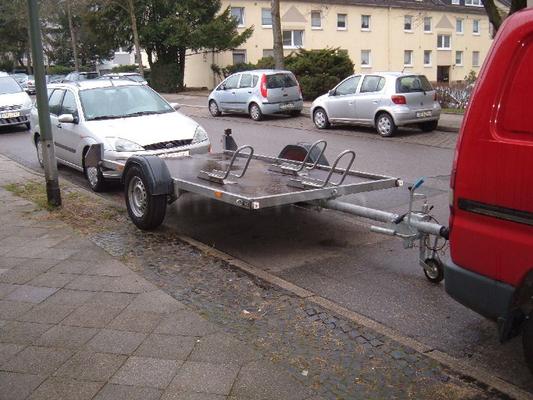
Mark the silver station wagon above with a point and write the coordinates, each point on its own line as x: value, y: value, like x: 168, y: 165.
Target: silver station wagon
x: 257, y: 93
x: 382, y: 100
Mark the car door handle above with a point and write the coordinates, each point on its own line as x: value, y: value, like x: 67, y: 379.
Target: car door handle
x: 375, y: 101
x: 59, y: 126
x: 232, y: 92
x: 249, y: 91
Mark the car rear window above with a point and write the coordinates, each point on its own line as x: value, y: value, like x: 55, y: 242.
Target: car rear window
x: 413, y: 83
x: 276, y: 81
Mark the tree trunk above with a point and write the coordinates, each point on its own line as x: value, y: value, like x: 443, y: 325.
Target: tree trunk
x: 181, y: 68
x: 136, y: 41
x: 276, y: 32
x: 73, y: 37
x: 517, y: 5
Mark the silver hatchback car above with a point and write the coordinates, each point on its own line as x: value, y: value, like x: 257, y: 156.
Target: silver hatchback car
x: 382, y: 100
x: 257, y: 93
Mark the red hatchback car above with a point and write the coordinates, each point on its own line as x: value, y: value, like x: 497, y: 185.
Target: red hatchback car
x: 491, y: 200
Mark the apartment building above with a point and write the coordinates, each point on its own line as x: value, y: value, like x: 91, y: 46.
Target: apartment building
x: 444, y: 39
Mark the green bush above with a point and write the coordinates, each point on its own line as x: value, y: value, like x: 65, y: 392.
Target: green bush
x: 319, y: 70
x: 59, y: 70
x: 125, y: 68
x: 266, y: 63
x: 6, y: 65
x: 164, y: 77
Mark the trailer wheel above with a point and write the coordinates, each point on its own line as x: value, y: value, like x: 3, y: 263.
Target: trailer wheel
x: 434, y: 270
x: 527, y: 340
x: 147, y: 211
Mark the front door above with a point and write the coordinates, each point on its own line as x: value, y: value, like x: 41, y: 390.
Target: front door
x: 69, y: 134
x: 227, y: 95
x: 443, y: 73
x: 368, y: 98
x: 54, y: 105
x: 341, y: 103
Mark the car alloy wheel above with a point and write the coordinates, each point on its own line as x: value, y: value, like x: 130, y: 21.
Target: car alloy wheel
x: 320, y: 119
x: 137, y: 197
x: 255, y: 112
x: 92, y: 176
x: 385, y: 125
x: 40, y: 156
x: 213, y: 108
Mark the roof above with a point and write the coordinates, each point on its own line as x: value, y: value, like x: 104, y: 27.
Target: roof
x: 429, y: 5
x: 94, y: 84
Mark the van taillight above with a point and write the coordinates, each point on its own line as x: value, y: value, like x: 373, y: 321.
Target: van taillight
x: 264, y: 91
x: 396, y: 99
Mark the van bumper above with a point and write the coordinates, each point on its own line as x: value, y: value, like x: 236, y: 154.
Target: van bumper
x: 282, y: 107
x: 485, y: 296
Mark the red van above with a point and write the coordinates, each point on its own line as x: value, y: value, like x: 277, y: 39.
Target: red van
x: 491, y: 199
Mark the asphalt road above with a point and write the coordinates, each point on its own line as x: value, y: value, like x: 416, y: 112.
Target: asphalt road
x: 335, y: 255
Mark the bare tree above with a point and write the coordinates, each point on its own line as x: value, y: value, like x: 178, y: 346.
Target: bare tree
x: 136, y: 42
x: 276, y: 32
x: 497, y: 15
x: 73, y: 37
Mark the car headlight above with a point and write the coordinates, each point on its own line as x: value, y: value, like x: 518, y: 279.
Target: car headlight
x: 123, y: 145
x: 200, y: 135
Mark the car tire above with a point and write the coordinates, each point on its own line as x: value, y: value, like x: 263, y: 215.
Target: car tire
x: 527, y: 340
x: 213, y: 109
x: 255, y: 112
x: 146, y: 211
x: 385, y: 125
x: 295, y: 113
x: 320, y: 118
x: 94, y: 177
x: 39, y: 150
x: 428, y: 126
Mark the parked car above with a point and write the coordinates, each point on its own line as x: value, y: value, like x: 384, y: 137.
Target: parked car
x: 56, y: 78
x: 382, y: 100
x: 132, y: 76
x: 15, y: 104
x: 80, y: 76
x: 21, y: 78
x: 491, y: 199
x: 257, y: 93
x: 127, y: 117
x: 30, y: 85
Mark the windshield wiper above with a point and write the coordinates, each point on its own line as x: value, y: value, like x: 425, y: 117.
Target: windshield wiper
x: 138, y: 113
x: 104, y: 117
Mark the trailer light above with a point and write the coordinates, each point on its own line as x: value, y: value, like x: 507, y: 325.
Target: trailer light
x: 218, y: 195
x: 255, y: 205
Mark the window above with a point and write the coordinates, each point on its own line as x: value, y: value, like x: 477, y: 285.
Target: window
x: 268, y: 53
x: 266, y: 17
x: 427, y: 24
x: 444, y: 42
x: 341, y: 21
x: 408, y: 23
x: 372, y: 83
x: 293, y: 39
x: 459, y: 58
x: 246, y: 81
x: 232, y: 81
x: 365, y: 22
x: 316, y: 19
x: 413, y: 83
x: 366, y: 61
x: 349, y: 86
x: 238, y: 14
x: 456, y: 2
x: 476, y: 3
x: 69, y: 104
x: 459, y: 25
x: 517, y: 103
x: 475, y: 58
x: 55, y: 102
x: 475, y: 26
x: 239, y: 56
x: 427, y: 58
x: 408, y: 57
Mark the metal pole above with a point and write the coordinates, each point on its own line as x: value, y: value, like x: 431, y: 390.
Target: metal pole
x: 49, y: 160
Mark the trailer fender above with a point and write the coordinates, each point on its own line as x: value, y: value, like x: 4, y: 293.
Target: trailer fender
x: 156, y: 172
x: 297, y: 152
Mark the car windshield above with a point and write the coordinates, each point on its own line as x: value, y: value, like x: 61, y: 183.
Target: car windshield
x: 89, y: 75
x: 277, y: 81
x: 413, y: 83
x: 121, y: 102
x: 8, y: 85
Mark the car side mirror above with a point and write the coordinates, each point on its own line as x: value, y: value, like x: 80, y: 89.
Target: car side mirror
x: 331, y: 92
x: 222, y: 87
x: 175, y: 106
x: 67, y: 119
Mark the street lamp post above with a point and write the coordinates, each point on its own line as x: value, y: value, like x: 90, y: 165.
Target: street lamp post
x: 49, y: 160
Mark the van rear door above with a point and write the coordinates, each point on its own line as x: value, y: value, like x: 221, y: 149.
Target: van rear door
x: 418, y: 93
x: 282, y: 88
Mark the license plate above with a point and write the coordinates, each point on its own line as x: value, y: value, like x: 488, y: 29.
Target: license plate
x: 422, y: 114
x: 286, y: 106
x: 10, y: 115
x: 177, y: 154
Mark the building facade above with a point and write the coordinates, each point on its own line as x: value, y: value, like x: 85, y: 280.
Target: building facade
x: 443, y: 39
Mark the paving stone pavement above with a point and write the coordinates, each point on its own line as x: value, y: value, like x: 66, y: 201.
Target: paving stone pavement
x: 75, y: 323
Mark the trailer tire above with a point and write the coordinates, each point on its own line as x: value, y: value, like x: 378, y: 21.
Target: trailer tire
x: 435, y: 272
x: 527, y: 340
x: 146, y: 210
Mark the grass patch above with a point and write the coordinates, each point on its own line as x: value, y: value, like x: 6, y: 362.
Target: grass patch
x: 458, y: 111
x: 85, y: 213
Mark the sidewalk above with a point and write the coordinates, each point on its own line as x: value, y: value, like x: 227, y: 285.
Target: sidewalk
x: 75, y: 323
x: 447, y: 122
